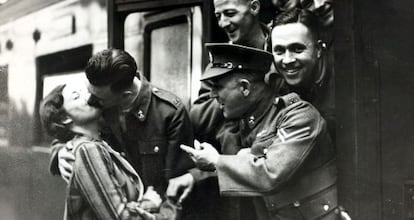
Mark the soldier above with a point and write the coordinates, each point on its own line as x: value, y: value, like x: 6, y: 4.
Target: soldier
x: 287, y: 163
x: 146, y: 124
x: 302, y: 58
x: 240, y: 21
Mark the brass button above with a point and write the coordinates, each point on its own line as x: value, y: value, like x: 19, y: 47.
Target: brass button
x: 156, y: 149
x: 326, y: 207
x: 155, y: 89
x: 296, y: 204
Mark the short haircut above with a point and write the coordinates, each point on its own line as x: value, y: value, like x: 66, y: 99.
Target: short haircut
x: 113, y: 67
x: 297, y: 15
x: 52, y: 115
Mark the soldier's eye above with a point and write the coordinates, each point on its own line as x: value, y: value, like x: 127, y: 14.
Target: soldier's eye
x: 278, y: 50
x: 297, y: 48
x: 230, y: 13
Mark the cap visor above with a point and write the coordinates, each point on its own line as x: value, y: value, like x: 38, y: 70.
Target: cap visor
x: 213, y: 72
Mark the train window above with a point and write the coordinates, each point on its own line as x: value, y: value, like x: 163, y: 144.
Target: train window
x: 51, y: 81
x: 168, y: 46
x: 55, y: 69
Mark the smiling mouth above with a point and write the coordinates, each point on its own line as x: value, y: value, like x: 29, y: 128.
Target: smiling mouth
x: 291, y: 72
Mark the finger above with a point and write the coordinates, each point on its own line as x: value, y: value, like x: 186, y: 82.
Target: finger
x: 150, y: 188
x: 65, y: 175
x: 67, y: 156
x: 66, y: 179
x: 63, y: 164
x: 188, y: 149
x: 197, y: 145
x: 172, y: 189
x: 144, y: 214
x: 184, y: 195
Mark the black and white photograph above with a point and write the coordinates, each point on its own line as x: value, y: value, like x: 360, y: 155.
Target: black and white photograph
x: 206, y: 110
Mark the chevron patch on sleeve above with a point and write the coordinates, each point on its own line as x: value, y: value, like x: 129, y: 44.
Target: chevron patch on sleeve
x: 288, y: 136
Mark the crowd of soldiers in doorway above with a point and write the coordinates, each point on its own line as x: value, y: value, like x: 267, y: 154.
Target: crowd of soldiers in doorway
x: 258, y: 143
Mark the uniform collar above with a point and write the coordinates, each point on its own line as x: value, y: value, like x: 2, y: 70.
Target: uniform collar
x: 252, y: 119
x: 143, y: 100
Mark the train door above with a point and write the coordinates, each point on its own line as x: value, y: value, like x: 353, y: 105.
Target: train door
x: 374, y: 81
x: 166, y: 38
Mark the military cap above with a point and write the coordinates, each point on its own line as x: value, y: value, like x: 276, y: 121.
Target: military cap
x: 225, y: 57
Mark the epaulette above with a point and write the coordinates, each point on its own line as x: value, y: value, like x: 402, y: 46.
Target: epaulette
x: 167, y: 96
x: 286, y: 100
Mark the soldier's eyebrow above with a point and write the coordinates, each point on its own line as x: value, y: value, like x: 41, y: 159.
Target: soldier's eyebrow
x: 297, y: 46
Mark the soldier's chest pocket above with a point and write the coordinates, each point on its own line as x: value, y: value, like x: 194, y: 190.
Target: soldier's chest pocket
x: 153, y: 155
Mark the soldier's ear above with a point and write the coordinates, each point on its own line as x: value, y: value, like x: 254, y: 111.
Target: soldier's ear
x: 320, y: 47
x: 255, y: 7
x: 245, y: 86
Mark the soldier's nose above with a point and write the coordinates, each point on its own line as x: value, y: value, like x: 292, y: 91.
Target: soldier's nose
x: 288, y: 58
x: 94, y: 101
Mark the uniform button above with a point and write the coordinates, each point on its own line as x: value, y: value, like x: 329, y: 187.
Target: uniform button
x: 272, y: 205
x: 296, y: 204
x: 155, y: 89
x: 156, y: 149
x: 140, y: 114
x: 326, y: 207
x: 123, y: 154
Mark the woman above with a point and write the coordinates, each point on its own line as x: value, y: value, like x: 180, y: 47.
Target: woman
x: 103, y: 184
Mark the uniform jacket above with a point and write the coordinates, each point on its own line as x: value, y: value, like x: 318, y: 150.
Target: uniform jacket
x: 290, y: 166
x: 104, y: 185
x: 154, y: 129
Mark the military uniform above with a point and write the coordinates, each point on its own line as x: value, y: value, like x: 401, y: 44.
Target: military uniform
x: 287, y: 161
x: 290, y: 163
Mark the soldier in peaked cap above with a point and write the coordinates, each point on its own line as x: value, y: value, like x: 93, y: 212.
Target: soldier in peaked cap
x: 286, y: 164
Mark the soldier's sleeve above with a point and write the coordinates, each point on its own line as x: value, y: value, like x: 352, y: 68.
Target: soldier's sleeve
x: 298, y: 128
x: 54, y: 163
x: 180, y: 131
